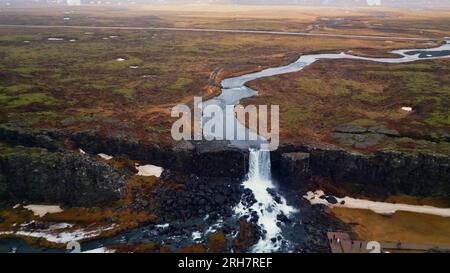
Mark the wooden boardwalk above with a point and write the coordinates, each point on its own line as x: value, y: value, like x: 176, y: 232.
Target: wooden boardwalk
x: 342, y: 243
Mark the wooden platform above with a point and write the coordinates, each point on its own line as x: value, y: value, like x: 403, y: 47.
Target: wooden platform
x: 341, y: 242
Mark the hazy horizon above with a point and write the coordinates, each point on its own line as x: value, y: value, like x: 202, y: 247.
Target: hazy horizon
x: 341, y: 3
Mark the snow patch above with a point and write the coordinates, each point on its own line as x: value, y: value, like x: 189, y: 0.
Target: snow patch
x: 162, y: 225
x: 149, y: 170
x: 105, y: 156
x: 100, y: 250
x: 41, y: 210
x: 62, y: 237
x: 377, y: 207
x: 407, y: 108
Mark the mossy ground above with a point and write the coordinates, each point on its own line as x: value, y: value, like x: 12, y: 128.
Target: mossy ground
x: 79, y: 84
x: 402, y: 226
x: 330, y: 93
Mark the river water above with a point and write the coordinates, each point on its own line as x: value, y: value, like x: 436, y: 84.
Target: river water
x: 269, y: 202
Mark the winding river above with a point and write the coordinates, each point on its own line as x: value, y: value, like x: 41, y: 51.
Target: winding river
x: 270, y: 205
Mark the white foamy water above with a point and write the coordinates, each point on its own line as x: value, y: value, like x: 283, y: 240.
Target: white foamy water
x: 234, y: 90
x: 258, y: 181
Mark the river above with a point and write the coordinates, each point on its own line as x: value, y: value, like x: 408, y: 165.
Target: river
x: 270, y: 204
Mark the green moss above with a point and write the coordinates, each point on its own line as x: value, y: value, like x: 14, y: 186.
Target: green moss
x: 119, y: 65
x: 127, y: 93
x: 19, y: 38
x: 27, y: 70
x: 369, y: 99
x: 364, y: 122
x: 335, y: 87
x: 421, y: 82
x: 294, y: 117
x: 439, y: 117
x: 17, y: 88
x: 181, y: 84
x: 26, y: 99
x: 410, y: 66
x: 33, y: 118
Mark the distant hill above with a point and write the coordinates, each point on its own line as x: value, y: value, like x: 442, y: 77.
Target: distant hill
x: 343, y: 3
x: 348, y: 3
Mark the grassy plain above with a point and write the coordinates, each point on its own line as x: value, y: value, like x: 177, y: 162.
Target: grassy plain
x: 78, y: 83
x: 313, y: 102
x: 402, y: 226
x: 366, y: 21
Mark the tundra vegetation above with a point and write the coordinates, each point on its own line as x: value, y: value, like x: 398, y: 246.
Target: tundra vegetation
x: 123, y: 83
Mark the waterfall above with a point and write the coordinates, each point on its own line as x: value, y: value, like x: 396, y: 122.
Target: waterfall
x: 269, y: 203
x: 259, y: 165
x: 267, y: 207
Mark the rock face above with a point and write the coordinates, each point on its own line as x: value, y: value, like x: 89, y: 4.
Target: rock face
x: 415, y: 174
x: 391, y: 172
x: 63, y: 178
x: 295, y: 166
x: 215, y: 159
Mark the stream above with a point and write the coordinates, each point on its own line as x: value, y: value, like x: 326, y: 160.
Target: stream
x: 270, y: 204
x: 270, y: 210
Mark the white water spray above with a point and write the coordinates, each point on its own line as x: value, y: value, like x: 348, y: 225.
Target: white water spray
x: 259, y: 178
x: 266, y: 206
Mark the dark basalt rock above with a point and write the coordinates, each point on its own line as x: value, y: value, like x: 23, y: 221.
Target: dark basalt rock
x: 332, y: 200
x: 184, y: 196
x: 204, y: 158
x: 282, y: 218
x: 273, y: 193
x: 389, y: 172
x: 393, y: 172
x: 361, y: 137
x: 68, y: 178
x: 295, y: 166
x: 351, y: 129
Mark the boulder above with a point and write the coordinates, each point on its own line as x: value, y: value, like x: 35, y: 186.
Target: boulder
x: 332, y: 200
